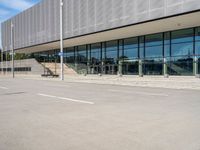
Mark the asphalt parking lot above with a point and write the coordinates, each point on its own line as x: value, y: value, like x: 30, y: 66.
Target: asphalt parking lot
x: 55, y: 115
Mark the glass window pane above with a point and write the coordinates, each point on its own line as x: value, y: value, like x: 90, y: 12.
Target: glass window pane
x: 181, y: 66
x: 82, y: 54
x: 153, y: 67
x: 130, y: 68
x: 182, y: 36
x: 197, y: 38
x: 154, y: 45
x: 182, y: 42
x: 167, y: 50
x: 167, y: 38
x: 182, y: 49
x: 121, y: 42
x: 131, y: 48
x: 111, y: 52
x: 70, y: 55
x: 96, y: 53
x: 197, y: 41
x: 197, y: 48
x: 167, y: 44
x: 154, y: 51
x: 141, y: 47
x: 103, y: 51
x: 154, y: 40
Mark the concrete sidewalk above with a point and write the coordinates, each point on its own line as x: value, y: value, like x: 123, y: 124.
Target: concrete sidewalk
x: 147, y: 81
x: 173, y: 82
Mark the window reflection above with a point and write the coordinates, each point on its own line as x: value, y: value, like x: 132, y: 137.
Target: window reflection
x: 130, y: 48
x: 182, y: 42
x: 82, y: 54
x: 96, y: 53
x: 197, y: 40
x: 181, y: 66
x: 167, y: 51
x: 154, y: 45
x: 70, y: 55
x: 141, y: 47
x: 111, y: 52
x: 178, y: 47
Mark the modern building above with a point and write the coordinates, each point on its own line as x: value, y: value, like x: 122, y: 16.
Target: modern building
x: 129, y: 37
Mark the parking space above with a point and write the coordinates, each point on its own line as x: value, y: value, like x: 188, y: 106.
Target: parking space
x: 49, y: 115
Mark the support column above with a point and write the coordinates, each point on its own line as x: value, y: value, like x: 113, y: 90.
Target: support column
x: 140, y: 68
x: 88, y: 68
x: 120, y: 68
x: 165, y: 71
x: 195, y: 66
x: 76, y: 66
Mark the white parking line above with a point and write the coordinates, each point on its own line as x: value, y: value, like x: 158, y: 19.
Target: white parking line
x: 4, y: 88
x: 140, y: 93
x: 68, y: 99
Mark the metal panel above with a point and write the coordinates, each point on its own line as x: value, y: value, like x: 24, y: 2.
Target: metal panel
x: 40, y: 23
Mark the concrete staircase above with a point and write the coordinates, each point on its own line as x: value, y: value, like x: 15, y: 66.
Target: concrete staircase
x: 54, y: 68
x: 179, y: 70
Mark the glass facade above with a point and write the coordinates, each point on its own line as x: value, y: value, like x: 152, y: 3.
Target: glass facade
x: 69, y: 55
x: 179, y: 48
x: 111, y: 57
x: 182, y: 52
x: 153, y: 63
x: 95, y: 58
x: 130, y: 56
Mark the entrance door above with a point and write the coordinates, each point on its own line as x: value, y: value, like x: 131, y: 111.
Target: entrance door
x: 111, y: 69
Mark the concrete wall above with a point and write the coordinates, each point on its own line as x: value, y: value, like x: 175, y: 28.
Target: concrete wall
x: 40, y: 24
x: 36, y: 68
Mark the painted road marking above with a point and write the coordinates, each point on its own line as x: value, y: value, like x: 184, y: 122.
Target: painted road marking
x: 140, y: 93
x: 64, y: 98
x: 4, y: 88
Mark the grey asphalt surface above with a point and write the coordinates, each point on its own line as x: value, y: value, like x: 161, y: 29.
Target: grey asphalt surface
x: 54, y: 115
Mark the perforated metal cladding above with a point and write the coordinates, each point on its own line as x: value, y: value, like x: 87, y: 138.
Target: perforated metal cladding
x: 40, y: 24
x: 87, y: 16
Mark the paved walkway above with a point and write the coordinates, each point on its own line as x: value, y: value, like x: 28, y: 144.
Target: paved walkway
x: 173, y: 82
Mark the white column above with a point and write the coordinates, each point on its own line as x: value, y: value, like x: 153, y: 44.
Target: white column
x: 140, y: 67
x: 165, y: 67
x: 195, y: 66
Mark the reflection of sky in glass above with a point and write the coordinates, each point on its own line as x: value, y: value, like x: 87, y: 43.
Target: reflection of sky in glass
x: 111, y: 50
x: 131, y: 48
x: 131, y: 53
x: 96, y: 52
x: 82, y: 51
x: 198, y: 48
x: 182, y: 49
x: 154, y: 51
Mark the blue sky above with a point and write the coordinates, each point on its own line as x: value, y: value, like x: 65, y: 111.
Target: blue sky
x: 9, y: 8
